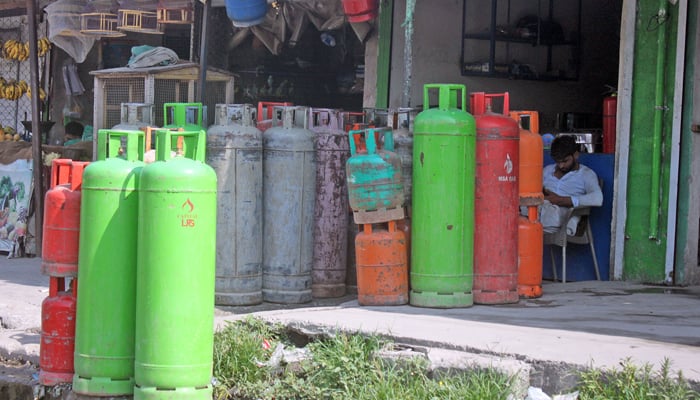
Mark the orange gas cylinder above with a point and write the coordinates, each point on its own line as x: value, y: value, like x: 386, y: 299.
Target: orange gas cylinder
x: 529, y: 257
x: 382, y: 272
x: 529, y: 120
x: 355, y: 121
x: 61, y: 228
x: 404, y: 225
x: 57, y: 333
x: 531, y: 164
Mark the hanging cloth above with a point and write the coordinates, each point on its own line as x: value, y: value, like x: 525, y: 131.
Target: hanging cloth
x: 71, y: 80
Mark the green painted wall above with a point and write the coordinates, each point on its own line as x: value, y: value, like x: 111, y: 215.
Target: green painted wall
x: 644, y: 258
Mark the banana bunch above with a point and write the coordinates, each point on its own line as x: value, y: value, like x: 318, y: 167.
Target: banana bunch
x: 16, y: 50
x: 43, y: 46
x: 42, y: 93
x: 12, y: 90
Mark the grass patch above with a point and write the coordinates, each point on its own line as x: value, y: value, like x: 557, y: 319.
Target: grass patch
x: 631, y: 382
x: 339, y: 367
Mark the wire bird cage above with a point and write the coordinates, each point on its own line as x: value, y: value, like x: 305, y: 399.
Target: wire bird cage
x: 99, y: 18
x: 175, y: 12
x: 99, y: 24
x: 139, y: 21
x: 156, y: 85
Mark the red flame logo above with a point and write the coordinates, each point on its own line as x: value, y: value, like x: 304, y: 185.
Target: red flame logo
x: 189, y: 204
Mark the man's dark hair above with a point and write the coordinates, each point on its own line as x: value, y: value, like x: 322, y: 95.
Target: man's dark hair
x: 74, y: 128
x: 563, y: 146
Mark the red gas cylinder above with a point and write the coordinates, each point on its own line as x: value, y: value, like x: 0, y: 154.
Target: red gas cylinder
x: 496, y: 207
x: 529, y: 257
x: 61, y: 228
x: 382, y: 272
x: 361, y: 10
x: 480, y: 101
x: 265, y: 115
x: 609, y: 123
x: 57, y: 333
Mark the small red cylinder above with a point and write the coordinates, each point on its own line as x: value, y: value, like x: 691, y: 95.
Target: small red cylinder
x: 529, y: 258
x: 61, y: 228
x: 382, y: 272
x: 266, y: 110
x: 361, y: 10
x: 609, y: 123
x: 496, y: 208
x: 57, y: 334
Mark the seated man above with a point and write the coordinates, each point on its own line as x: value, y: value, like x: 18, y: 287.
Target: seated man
x: 567, y: 183
x: 73, y: 133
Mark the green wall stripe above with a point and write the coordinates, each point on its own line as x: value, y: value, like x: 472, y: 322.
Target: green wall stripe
x: 386, y: 17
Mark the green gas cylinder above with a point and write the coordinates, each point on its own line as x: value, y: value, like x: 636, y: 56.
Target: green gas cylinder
x: 175, y: 272
x: 444, y: 167
x: 189, y: 116
x: 104, y: 334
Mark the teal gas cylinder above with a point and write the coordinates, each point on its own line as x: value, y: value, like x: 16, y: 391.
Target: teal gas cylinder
x: 373, y: 172
x: 401, y: 121
x: 175, y: 273
x: 234, y: 150
x: 442, y: 224
x: 104, y: 333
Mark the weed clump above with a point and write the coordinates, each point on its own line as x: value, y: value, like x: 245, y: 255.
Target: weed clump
x: 341, y: 366
x: 632, y: 382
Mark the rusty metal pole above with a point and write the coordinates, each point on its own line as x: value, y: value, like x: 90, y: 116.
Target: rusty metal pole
x: 36, y: 126
x: 408, y: 53
x: 203, y: 43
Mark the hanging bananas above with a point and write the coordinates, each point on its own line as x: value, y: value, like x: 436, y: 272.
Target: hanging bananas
x: 13, y: 90
x: 43, y: 45
x: 42, y: 94
x: 19, y: 51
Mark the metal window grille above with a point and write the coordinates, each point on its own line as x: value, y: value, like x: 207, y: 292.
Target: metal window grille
x: 214, y: 93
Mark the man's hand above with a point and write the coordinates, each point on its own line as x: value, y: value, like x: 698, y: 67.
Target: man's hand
x: 561, y: 201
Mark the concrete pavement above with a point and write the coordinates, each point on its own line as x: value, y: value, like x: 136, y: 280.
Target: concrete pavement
x: 571, y: 326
